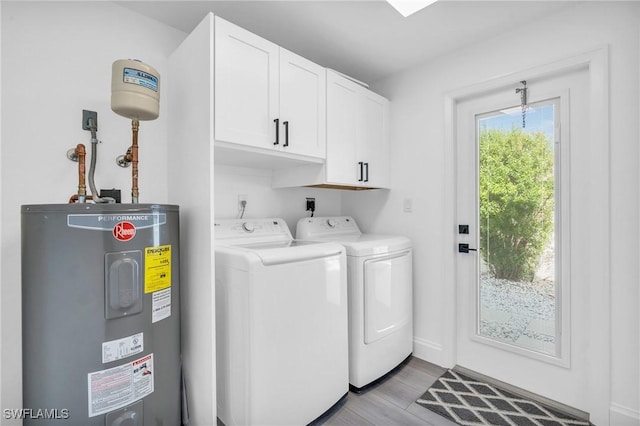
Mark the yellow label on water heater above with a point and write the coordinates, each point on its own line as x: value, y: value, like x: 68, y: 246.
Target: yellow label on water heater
x: 157, y: 268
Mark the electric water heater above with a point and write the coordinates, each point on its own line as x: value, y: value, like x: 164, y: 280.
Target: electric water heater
x: 100, y: 314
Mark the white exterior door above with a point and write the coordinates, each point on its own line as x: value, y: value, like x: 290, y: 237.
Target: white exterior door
x: 519, y: 354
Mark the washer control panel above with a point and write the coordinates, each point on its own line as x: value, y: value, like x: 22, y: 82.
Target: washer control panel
x: 247, y: 229
x: 310, y: 227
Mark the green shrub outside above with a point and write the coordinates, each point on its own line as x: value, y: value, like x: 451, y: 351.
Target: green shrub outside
x: 516, y: 201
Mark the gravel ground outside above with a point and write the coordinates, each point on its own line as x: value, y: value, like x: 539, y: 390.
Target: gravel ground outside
x: 518, y: 312
x: 521, y: 312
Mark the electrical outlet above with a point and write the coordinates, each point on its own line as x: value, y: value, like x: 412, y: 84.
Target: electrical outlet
x: 311, y: 204
x: 89, y: 115
x: 111, y: 193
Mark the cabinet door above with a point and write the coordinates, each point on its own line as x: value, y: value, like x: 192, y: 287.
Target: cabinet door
x: 343, y: 104
x: 246, y: 86
x: 302, y: 105
x: 373, y: 146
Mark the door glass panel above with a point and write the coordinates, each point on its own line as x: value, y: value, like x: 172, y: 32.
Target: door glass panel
x: 517, y: 283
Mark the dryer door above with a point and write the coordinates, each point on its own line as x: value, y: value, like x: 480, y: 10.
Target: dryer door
x: 387, y: 294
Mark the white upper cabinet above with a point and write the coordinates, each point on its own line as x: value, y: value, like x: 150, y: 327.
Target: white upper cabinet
x: 343, y: 129
x: 265, y: 96
x: 357, y: 141
x: 302, y: 105
x: 357, y: 134
x: 246, y: 86
x: 373, y: 146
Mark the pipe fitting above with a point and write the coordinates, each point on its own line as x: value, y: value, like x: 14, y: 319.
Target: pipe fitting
x: 79, y: 154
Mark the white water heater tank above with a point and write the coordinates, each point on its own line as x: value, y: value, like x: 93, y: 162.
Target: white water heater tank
x: 135, y: 90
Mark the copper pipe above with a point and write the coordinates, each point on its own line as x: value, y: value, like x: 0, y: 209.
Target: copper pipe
x: 80, y: 152
x: 134, y: 159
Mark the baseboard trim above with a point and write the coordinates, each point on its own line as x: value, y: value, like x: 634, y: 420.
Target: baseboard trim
x: 620, y: 415
x: 427, y: 350
x: 583, y: 415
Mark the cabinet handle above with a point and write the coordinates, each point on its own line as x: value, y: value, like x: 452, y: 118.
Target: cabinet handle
x: 361, y: 164
x: 366, y: 165
x: 277, y: 121
x: 286, y: 133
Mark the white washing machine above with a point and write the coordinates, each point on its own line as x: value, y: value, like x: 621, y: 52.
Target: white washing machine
x: 379, y: 269
x: 281, y: 323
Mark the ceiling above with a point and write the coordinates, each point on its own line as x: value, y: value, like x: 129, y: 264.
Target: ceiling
x: 367, y: 40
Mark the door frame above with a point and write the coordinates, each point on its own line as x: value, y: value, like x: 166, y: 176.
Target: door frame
x: 597, y: 62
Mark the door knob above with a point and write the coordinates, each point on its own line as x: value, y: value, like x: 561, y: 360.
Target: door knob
x: 464, y: 248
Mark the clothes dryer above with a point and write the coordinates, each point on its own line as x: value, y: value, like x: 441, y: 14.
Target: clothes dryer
x: 379, y: 270
x: 281, y: 322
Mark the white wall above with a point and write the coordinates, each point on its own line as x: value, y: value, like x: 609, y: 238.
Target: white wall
x: 56, y: 61
x: 419, y: 169
x: 263, y: 201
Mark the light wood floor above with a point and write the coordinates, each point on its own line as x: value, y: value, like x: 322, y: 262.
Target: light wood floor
x: 391, y: 402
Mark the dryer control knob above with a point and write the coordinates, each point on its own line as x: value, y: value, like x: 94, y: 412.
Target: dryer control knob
x: 332, y: 223
x: 248, y: 227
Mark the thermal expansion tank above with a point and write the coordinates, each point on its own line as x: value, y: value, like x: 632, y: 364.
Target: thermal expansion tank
x: 100, y: 315
x: 135, y: 90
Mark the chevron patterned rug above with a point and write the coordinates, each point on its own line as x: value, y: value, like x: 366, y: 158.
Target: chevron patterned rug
x: 466, y: 401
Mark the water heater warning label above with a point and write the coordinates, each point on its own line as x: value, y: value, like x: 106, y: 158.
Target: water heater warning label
x: 120, y: 386
x: 160, y: 305
x: 157, y: 268
x: 122, y: 348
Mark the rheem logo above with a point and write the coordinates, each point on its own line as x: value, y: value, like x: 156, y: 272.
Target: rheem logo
x: 124, y: 231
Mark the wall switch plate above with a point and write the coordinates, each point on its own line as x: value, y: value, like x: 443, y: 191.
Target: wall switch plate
x: 408, y: 205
